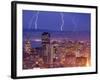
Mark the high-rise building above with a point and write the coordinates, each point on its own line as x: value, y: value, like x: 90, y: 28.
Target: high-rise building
x: 45, y: 38
x: 27, y: 47
x: 27, y: 55
x: 53, y: 52
x: 46, y: 47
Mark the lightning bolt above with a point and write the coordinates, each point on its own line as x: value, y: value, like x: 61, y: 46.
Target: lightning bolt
x: 30, y: 22
x: 74, y: 22
x: 62, y: 19
x: 36, y: 19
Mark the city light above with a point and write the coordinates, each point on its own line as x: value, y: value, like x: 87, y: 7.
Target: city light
x: 54, y: 53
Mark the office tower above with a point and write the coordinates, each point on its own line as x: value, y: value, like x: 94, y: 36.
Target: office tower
x: 27, y: 47
x: 46, y: 47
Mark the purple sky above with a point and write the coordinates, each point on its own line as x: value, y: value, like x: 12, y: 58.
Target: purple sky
x: 47, y: 20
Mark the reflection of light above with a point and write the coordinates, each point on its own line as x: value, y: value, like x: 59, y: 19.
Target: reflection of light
x: 87, y: 64
x: 38, y: 40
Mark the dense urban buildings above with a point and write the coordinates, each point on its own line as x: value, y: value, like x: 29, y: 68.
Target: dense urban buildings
x: 56, y: 53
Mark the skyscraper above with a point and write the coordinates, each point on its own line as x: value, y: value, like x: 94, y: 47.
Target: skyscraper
x: 46, y: 47
x: 27, y: 47
x: 45, y: 38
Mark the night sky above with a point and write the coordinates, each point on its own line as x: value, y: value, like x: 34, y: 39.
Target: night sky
x: 47, y: 20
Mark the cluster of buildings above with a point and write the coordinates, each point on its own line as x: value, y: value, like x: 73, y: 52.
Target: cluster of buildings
x: 56, y: 53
